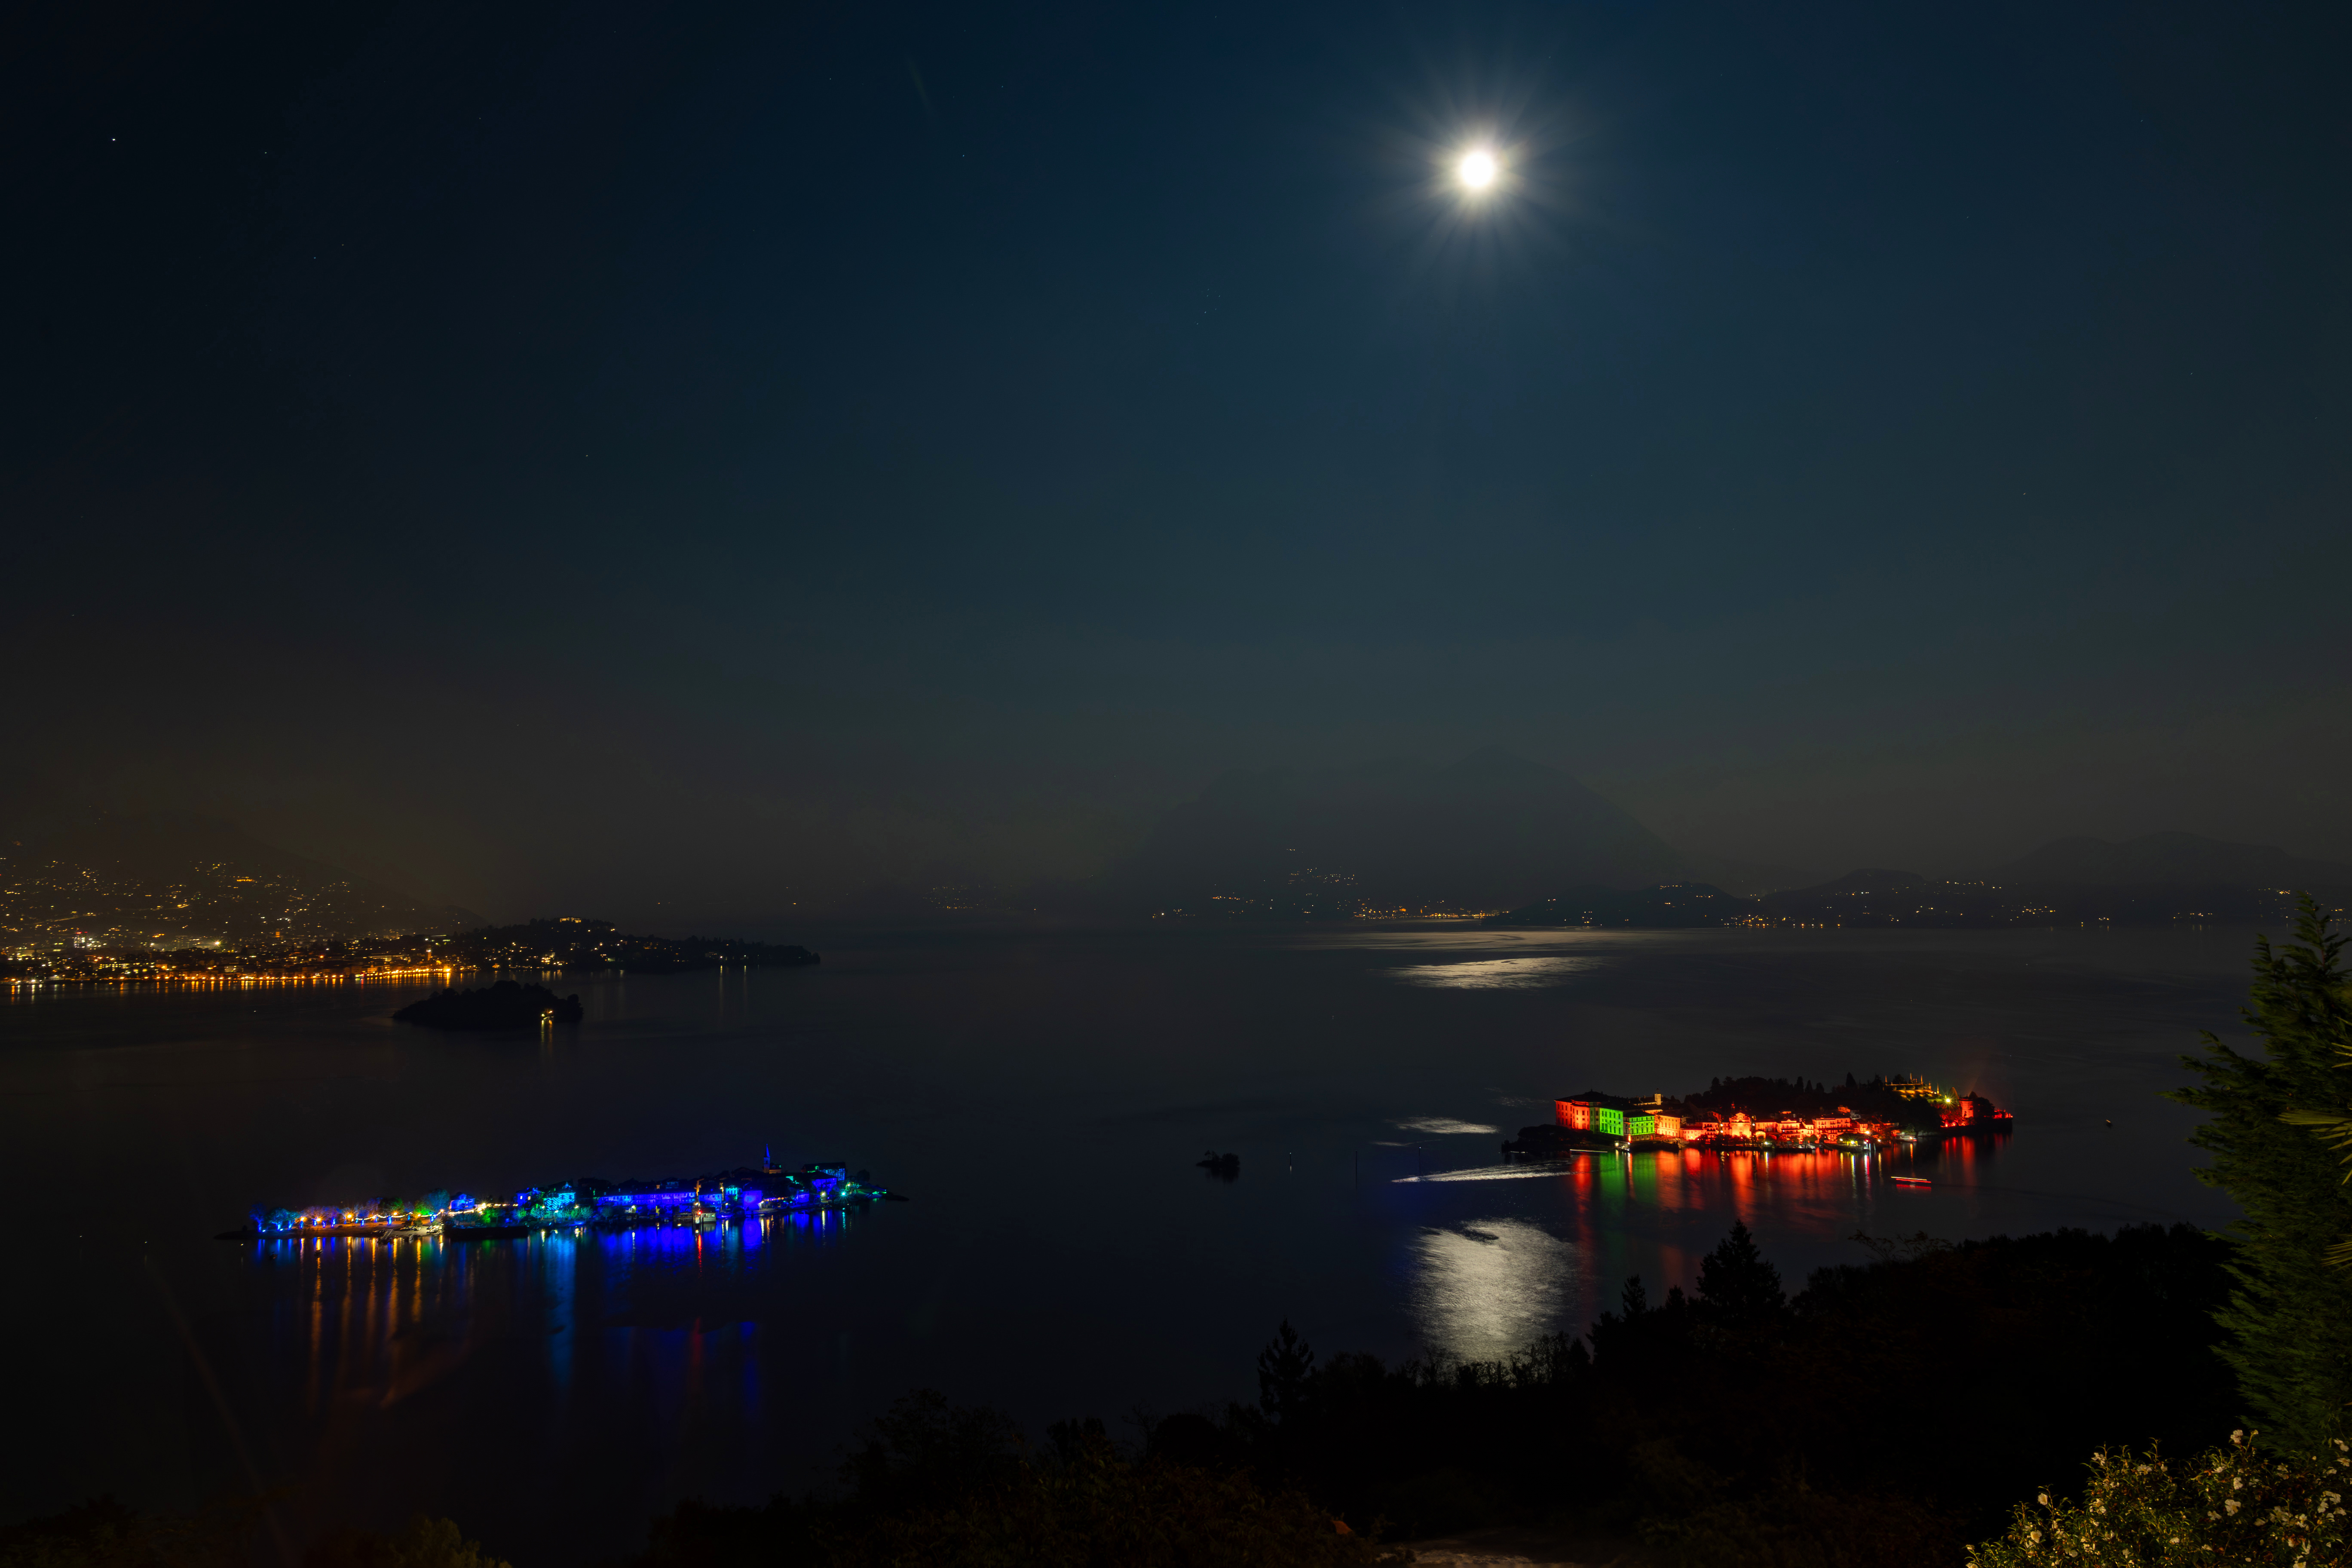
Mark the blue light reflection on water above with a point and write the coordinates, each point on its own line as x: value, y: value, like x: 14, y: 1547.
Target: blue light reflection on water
x: 663, y: 1321
x: 562, y: 1262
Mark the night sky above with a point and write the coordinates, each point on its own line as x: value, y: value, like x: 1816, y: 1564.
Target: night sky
x: 722, y: 458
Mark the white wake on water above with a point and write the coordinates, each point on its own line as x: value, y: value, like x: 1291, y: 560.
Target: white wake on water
x: 1489, y: 1174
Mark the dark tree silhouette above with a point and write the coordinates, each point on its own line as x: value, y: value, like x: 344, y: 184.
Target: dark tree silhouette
x: 1285, y: 1369
x: 1737, y: 1283
x: 2290, y: 1321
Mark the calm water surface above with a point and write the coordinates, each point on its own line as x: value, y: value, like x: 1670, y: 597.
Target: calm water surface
x: 1043, y: 1099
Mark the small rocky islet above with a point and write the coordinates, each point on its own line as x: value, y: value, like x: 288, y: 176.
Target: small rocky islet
x: 507, y: 1005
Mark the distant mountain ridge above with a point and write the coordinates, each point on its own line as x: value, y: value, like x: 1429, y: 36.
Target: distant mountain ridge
x: 2165, y: 880
x: 1490, y: 831
x: 1495, y: 830
x: 1747, y: 878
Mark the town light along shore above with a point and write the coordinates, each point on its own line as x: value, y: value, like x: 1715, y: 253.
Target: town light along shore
x: 746, y: 1193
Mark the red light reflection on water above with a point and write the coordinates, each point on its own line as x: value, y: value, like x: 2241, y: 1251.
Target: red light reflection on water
x: 1656, y: 1213
x: 1957, y: 1156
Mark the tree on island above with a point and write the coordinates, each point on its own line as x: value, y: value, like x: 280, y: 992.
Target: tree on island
x: 2290, y: 1320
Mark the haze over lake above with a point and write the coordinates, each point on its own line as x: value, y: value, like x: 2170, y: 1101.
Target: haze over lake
x: 1043, y: 1098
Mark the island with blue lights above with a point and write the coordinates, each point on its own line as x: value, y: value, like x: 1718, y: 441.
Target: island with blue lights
x: 746, y: 1193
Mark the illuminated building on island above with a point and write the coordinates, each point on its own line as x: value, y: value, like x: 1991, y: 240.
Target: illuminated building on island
x: 1888, y: 1113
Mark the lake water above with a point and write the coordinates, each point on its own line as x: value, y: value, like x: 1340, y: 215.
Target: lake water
x: 1043, y: 1098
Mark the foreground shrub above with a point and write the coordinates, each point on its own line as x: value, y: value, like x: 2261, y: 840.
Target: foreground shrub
x: 1098, y: 1508
x: 104, y: 1534
x: 1793, y: 1526
x: 2238, y: 1504
x: 941, y: 1487
x: 425, y: 1544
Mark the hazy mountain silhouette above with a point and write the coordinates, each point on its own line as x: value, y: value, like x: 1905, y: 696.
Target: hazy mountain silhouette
x: 1490, y: 831
x: 1747, y: 878
x: 2172, y: 859
x: 1869, y: 880
x: 150, y: 844
x: 2169, y: 878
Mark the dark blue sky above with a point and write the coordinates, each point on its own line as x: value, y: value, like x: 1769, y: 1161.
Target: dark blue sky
x: 718, y: 454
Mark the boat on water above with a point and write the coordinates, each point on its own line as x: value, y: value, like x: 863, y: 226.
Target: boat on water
x: 1911, y: 1181
x: 1544, y: 1144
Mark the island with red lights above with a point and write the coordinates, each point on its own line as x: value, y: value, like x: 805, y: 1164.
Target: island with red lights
x: 1763, y: 1115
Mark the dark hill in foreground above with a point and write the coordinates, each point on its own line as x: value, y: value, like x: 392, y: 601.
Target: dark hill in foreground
x: 1717, y: 1418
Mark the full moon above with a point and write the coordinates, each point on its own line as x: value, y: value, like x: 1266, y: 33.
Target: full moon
x: 1476, y: 170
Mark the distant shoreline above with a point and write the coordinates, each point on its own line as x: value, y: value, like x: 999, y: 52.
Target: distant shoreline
x: 1501, y: 934
x: 222, y: 980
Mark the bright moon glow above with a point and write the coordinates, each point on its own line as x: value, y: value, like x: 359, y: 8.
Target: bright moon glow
x: 1478, y: 170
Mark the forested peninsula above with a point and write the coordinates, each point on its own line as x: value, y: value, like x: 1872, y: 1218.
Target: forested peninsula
x: 572, y: 943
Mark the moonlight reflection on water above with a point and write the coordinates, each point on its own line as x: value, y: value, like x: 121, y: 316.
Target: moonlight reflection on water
x: 1489, y: 1287
x: 1499, y: 974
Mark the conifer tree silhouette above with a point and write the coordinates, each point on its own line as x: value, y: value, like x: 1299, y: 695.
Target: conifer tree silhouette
x: 1737, y: 1283
x: 2289, y: 1321
x: 1284, y: 1368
